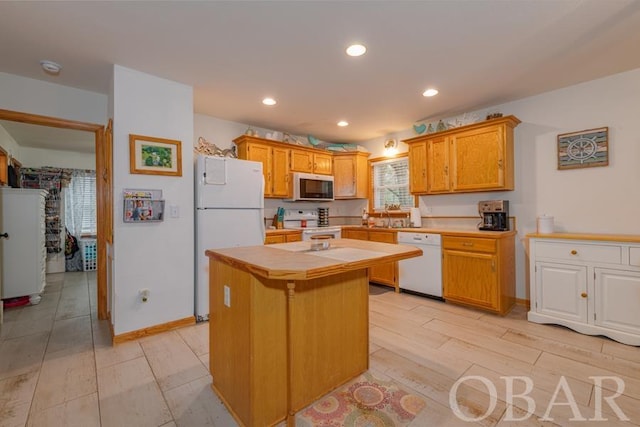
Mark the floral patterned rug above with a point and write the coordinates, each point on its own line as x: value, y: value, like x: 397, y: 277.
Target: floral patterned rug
x: 364, y: 401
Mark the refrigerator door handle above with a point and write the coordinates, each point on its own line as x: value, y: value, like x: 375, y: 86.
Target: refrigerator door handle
x: 262, y: 221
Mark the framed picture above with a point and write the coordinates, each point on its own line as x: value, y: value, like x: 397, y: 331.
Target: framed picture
x: 155, y: 156
x: 584, y: 149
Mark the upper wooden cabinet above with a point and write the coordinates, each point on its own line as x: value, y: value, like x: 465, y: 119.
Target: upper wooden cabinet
x: 306, y: 160
x: 477, y: 157
x: 275, y: 163
x: 418, y: 167
x: 351, y: 175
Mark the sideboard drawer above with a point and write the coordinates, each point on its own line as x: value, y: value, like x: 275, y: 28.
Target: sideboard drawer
x: 474, y: 244
x: 579, y: 252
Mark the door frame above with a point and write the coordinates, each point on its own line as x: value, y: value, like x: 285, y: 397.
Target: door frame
x: 104, y: 203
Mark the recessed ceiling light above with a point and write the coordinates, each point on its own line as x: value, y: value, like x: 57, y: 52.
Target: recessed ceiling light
x: 430, y: 92
x: 50, y: 66
x: 356, y: 50
x: 343, y: 123
x: 269, y: 101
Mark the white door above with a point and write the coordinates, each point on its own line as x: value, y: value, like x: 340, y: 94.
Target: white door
x: 2, y: 237
x: 617, y: 300
x: 562, y: 291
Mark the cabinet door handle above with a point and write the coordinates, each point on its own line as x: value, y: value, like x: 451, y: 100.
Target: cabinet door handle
x: 583, y: 295
x: 500, y: 164
x: 446, y: 170
x: 574, y: 252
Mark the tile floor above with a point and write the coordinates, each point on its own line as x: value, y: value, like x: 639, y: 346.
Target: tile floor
x: 57, y: 367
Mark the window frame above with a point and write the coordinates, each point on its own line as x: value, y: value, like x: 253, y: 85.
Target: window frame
x: 370, y: 208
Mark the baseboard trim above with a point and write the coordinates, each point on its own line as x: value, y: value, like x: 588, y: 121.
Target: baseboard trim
x: 523, y: 302
x: 153, y: 330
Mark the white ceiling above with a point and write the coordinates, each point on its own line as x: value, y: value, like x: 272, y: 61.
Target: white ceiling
x: 478, y: 53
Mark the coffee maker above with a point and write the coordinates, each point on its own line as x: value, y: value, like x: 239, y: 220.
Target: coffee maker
x: 494, y: 215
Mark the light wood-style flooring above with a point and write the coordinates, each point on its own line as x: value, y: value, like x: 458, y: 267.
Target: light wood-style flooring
x: 57, y: 367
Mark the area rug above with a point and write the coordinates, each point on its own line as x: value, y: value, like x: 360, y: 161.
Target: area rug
x: 365, y: 401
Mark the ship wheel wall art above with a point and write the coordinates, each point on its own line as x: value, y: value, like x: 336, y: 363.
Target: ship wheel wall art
x: 584, y: 149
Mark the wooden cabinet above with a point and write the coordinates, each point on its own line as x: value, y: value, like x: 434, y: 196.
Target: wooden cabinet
x: 479, y: 271
x: 387, y: 273
x: 282, y: 236
x: 351, y: 175
x: 309, y: 161
x: 589, y: 283
x: 384, y: 274
x: 349, y: 233
x: 418, y: 167
x: 275, y: 164
x: 477, y: 157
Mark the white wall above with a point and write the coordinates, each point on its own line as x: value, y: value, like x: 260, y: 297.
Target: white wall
x: 158, y: 256
x: 591, y: 200
x: 49, y: 99
x: 9, y: 144
x: 38, y: 157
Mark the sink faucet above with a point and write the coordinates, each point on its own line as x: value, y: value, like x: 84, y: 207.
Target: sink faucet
x: 388, y: 217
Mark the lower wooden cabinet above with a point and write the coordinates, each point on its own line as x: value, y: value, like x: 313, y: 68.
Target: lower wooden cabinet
x: 480, y: 271
x: 282, y: 236
x: 383, y: 274
x: 589, y: 283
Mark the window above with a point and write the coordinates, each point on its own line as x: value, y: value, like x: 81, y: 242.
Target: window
x: 391, y: 183
x: 80, y: 204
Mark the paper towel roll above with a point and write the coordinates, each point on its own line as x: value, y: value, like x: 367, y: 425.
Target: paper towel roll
x: 415, y: 218
x: 545, y: 224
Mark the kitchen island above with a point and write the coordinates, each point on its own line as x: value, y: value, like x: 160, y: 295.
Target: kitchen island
x: 288, y: 325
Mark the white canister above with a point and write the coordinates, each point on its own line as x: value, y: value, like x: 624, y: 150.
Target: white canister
x: 415, y: 218
x: 545, y: 224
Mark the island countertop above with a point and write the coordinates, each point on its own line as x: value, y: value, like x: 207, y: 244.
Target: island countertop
x: 296, y: 261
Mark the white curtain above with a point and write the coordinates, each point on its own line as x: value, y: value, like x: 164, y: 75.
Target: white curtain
x: 76, y: 201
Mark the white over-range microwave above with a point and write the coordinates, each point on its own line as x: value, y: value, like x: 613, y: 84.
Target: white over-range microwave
x: 312, y: 187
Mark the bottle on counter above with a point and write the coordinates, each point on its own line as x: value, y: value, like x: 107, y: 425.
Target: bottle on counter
x: 365, y: 218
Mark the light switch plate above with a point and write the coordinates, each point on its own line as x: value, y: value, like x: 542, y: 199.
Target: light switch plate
x: 227, y: 296
x: 174, y: 211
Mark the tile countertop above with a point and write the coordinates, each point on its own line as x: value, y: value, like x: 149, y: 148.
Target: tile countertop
x: 446, y: 231
x: 630, y: 238
x: 296, y: 261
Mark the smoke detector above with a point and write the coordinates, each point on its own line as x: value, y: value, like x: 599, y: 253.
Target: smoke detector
x: 50, y: 67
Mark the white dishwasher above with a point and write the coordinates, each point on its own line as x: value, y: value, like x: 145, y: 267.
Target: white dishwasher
x: 423, y: 274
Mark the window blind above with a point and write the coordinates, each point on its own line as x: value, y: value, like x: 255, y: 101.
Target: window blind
x: 391, y: 183
x: 89, y: 225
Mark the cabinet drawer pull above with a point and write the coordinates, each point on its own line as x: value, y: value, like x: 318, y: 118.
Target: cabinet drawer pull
x: 467, y: 244
x: 583, y: 295
x: 574, y: 252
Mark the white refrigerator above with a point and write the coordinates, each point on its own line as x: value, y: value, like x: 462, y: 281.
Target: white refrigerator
x: 229, y: 212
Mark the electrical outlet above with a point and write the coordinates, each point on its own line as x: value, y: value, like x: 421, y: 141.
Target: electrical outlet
x: 174, y: 211
x: 144, y: 294
x: 227, y: 296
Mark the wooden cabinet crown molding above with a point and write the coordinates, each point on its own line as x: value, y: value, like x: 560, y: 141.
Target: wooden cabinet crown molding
x: 511, y: 121
x: 255, y: 139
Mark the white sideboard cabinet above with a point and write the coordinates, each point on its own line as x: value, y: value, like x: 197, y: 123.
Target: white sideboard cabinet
x: 589, y: 283
x: 23, y: 251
